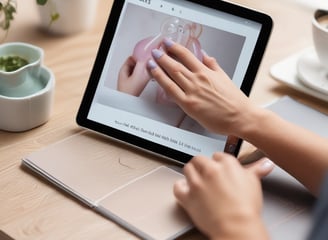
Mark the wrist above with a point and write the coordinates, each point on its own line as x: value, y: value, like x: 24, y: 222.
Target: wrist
x: 255, y: 119
x: 242, y: 228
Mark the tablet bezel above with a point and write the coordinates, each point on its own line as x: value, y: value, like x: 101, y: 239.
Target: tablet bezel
x: 175, y: 155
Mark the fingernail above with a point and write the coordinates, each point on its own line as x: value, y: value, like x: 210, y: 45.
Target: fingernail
x: 267, y: 164
x: 152, y: 64
x: 182, y: 185
x: 157, y: 53
x: 168, y: 42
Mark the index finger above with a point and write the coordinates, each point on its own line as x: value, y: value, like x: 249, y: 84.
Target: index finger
x: 183, y: 55
x: 170, y: 86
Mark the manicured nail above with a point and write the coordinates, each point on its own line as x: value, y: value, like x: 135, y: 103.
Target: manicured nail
x: 168, y: 42
x: 157, y: 53
x: 267, y: 164
x: 152, y: 64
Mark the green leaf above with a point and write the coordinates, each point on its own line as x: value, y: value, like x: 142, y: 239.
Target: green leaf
x: 42, y: 2
x: 8, y: 10
x: 54, y: 16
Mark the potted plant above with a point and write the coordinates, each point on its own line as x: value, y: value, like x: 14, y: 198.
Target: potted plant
x: 67, y: 16
x: 8, y: 8
x: 26, y: 87
x: 54, y: 15
x: 57, y: 16
x: 7, y: 11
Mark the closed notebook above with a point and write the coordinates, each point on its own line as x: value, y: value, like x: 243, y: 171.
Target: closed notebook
x: 134, y: 191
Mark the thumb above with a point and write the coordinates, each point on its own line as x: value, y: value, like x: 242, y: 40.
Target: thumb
x: 261, y: 168
x: 181, y: 190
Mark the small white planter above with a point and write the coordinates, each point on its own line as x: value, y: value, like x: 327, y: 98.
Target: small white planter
x: 26, y: 94
x: 75, y: 15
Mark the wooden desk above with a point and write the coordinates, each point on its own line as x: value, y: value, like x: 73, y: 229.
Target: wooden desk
x: 30, y: 208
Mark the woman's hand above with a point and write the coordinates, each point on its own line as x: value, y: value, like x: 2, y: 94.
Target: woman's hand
x: 201, y: 89
x: 133, y: 77
x: 207, y: 94
x: 224, y: 199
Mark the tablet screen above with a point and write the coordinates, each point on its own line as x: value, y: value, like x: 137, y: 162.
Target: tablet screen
x: 123, y: 101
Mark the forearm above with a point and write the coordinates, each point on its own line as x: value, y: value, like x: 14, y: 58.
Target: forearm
x: 300, y: 152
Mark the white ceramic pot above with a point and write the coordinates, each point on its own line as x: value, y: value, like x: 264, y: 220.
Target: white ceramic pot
x: 74, y: 15
x: 26, y: 95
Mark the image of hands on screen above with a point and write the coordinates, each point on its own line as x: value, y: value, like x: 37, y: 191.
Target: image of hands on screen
x: 133, y: 76
x: 127, y: 90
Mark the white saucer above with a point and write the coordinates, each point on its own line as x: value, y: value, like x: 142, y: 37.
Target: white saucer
x: 285, y: 72
x: 311, y: 73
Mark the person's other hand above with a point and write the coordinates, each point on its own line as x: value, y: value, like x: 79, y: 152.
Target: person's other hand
x: 201, y: 89
x: 133, y: 77
x: 223, y: 198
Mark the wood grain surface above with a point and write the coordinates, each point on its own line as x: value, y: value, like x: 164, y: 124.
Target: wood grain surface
x: 30, y: 208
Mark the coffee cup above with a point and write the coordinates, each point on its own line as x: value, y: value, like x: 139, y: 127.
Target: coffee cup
x: 320, y: 36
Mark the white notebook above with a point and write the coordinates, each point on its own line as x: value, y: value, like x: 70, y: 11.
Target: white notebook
x: 132, y: 189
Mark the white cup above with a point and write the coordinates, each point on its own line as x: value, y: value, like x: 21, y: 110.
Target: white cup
x: 320, y: 35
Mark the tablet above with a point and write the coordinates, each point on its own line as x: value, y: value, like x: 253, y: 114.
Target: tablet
x: 121, y: 99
